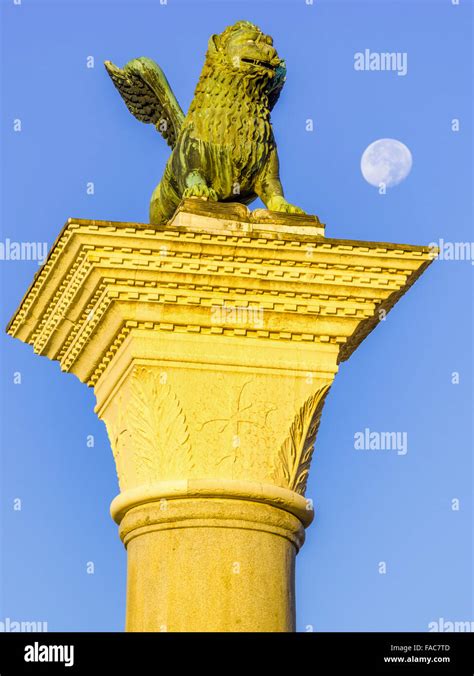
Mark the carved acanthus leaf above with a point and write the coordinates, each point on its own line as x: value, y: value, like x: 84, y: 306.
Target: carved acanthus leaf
x: 149, y: 431
x: 159, y: 432
x: 294, y: 457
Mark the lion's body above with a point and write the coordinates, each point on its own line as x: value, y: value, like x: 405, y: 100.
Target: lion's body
x: 226, y: 136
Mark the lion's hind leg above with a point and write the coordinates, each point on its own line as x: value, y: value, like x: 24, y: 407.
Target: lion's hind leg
x: 164, y: 201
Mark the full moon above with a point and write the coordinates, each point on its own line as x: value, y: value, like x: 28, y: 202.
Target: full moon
x: 386, y: 161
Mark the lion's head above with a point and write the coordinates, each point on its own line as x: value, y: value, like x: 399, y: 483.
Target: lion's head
x: 244, y: 48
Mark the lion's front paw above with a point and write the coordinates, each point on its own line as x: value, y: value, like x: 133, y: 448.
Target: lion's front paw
x: 202, y: 191
x: 293, y: 209
x: 279, y: 203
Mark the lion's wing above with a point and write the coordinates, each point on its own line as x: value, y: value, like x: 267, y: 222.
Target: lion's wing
x: 148, y: 96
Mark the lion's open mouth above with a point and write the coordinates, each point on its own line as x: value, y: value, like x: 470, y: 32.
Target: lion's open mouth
x: 257, y: 62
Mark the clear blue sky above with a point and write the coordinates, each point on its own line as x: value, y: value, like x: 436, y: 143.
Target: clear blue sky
x: 371, y: 506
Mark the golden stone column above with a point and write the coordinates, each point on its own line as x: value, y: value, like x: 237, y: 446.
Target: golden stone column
x: 211, y: 344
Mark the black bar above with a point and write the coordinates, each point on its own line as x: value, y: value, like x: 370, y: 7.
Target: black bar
x: 314, y: 653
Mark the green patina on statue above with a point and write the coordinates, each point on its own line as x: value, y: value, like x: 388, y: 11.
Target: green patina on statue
x: 224, y: 148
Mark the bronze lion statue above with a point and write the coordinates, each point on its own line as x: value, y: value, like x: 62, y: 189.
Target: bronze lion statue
x: 224, y: 148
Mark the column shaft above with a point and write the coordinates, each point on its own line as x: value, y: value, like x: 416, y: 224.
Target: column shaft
x: 210, y: 564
